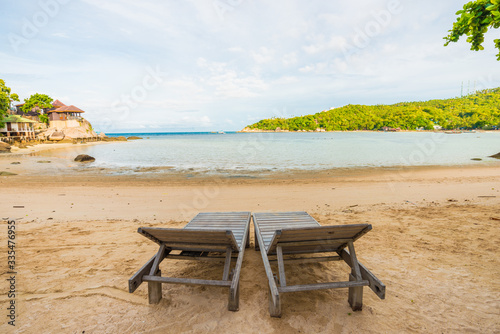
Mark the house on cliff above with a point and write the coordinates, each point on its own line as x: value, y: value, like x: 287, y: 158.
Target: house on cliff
x: 62, y: 116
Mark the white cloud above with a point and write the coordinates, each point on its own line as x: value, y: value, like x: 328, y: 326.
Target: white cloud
x: 264, y: 55
x: 289, y: 59
x: 228, y: 83
x: 236, y: 49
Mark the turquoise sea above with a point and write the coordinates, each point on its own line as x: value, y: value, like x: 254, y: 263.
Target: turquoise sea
x: 213, y: 152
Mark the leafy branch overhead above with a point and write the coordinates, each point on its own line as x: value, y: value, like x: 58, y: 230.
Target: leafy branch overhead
x: 41, y: 101
x: 474, y: 20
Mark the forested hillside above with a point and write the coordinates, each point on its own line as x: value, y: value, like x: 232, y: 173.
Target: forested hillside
x: 475, y: 111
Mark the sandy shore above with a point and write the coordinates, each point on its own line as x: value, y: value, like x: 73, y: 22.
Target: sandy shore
x: 435, y: 244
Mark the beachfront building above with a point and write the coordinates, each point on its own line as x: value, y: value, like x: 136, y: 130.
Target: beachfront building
x: 63, y: 116
x: 32, y: 114
x: 17, y: 127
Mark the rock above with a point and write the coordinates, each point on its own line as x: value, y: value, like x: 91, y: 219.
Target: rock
x: 102, y: 135
x: 84, y: 158
x: 133, y: 138
x: 57, y: 135
x: 22, y: 145
x: 4, y: 147
x: 496, y: 156
x: 476, y: 159
x: 121, y: 138
x: 15, y: 163
x: 2, y: 173
x: 44, y: 161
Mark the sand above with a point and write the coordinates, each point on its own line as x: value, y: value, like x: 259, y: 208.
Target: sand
x: 435, y: 244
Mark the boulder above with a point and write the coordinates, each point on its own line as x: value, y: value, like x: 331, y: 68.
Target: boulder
x: 102, y: 135
x: 121, y: 138
x: 133, y: 138
x: 2, y: 173
x: 84, y: 158
x: 56, y: 136
x: 496, y: 156
x: 4, y: 147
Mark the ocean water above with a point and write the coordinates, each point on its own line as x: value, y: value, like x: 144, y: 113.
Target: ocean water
x: 213, y: 152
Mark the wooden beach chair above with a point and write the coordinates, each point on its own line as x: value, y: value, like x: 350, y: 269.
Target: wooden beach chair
x: 201, y: 239
x: 285, y: 233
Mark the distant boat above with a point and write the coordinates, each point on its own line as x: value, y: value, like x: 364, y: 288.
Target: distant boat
x: 453, y: 132
x: 221, y: 132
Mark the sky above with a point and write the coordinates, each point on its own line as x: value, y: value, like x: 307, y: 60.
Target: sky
x: 211, y: 65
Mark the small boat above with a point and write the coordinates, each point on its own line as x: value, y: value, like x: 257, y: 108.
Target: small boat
x: 453, y: 132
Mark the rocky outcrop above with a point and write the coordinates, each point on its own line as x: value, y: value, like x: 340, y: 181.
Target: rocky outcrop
x: 83, y: 131
x: 4, y: 147
x: 56, y: 135
x: 496, y: 156
x: 133, y: 138
x: 84, y: 158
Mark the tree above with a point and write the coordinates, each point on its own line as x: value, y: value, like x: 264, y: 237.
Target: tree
x: 43, y: 119
x: 41, y: 101
x: 6, y: 99
x: 474, y: 21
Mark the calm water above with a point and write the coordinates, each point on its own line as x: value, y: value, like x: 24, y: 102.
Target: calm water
x: 282, y: 151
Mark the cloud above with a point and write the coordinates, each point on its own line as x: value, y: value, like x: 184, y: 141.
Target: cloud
x: 228, y: 83
x: 264, y: 55
x: 289, y: 59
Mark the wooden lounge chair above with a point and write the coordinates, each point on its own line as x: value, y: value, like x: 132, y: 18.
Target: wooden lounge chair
x: 201, y: 239
x: 285, y: 233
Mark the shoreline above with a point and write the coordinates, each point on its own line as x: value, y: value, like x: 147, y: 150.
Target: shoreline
x: 104, y: 196
x: 39, y: 162
x: 16, y: 151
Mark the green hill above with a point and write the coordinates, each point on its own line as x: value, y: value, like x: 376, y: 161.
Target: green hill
x: 475, y: 111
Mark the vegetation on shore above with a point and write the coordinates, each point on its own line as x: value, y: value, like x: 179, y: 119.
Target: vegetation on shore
x: 6, y: 98
x: 475, y: 111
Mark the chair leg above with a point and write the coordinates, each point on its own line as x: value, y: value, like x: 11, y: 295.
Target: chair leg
x: 234, y: 299
x: 355, y: 295
x: 154, y: 291
x: 274, y: 303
